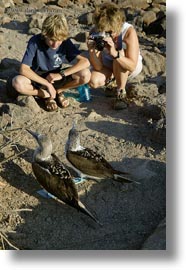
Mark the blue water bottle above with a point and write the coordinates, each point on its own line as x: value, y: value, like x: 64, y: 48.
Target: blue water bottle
x: 84, y: 93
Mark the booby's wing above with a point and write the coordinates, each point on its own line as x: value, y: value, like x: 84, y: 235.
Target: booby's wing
x: 56, y: 179
x: 53, y: 177
x: 90, y: 163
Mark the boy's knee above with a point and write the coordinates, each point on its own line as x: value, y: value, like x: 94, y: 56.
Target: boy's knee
x: 18, y: 84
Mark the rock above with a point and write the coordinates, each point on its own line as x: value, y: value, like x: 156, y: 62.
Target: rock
x: 151, y: 112
x: 28, y: 101
x: 8, y: 63
x: 6, y: 3
x: 51, y: 9
x: 4, y: 109
x: 162, y: 88
x: 159, y: 2
x: 64, y: 3
x: 158, y: 133
x: 86, y: 19
x: 154, y: 23
x: 138, y: 21
x: 37, y: 20
x: 5, y: 19
x: 2, y: 11
x: 93, y: 116
x: 130, y: 14
x: 157, y: 240
x: 37, y: 4
x: 138, y: 4
x: 2, y: 38
x: 81, y: 37
x: 18, y: 2
x: 153, y: 63
x: 34, y: 31
x: 149, y: 17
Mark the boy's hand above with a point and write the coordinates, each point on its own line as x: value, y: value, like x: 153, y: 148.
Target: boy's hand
x: 52, y: 77
x: 51, y: 90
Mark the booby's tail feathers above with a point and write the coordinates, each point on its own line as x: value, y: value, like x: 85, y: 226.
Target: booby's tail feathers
x: 120, y: 177
x: 83, y: 209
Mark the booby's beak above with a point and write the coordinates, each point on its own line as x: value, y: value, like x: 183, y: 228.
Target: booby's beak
x: 34, y: 134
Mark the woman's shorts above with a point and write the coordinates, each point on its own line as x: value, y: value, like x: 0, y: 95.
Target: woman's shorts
x: 137, y: 70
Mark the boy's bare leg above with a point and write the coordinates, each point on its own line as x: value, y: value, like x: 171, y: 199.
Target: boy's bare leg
x: 79, y: 78
x: 24, y: 86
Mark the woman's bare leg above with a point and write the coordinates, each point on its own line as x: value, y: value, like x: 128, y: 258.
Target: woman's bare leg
x: 99, y: 78
x: 120, y: 75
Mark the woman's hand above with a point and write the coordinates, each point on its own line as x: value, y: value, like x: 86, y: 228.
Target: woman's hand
x: 110, y: 46
x: 91, y: 44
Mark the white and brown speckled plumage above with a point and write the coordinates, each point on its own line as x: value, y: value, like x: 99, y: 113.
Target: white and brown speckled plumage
x: 88, y: 163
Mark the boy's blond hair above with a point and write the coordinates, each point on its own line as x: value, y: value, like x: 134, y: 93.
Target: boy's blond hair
x: 55, y: 27
x: 108, y: 17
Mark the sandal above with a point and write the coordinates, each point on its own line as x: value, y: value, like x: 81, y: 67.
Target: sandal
x: 110, y: 88
x: 42, y: 93
x: 62, y: 100
x: 50, y: 104
x: 120, y: 102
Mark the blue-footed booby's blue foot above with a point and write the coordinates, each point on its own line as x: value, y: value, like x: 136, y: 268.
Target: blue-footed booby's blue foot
x: 78, y: 180
x: 45, y: 194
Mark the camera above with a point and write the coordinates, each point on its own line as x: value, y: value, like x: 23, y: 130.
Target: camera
x: 98, y: 38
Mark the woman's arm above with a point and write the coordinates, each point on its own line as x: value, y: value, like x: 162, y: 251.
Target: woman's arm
x: 95, y: 59
x: 128, y: 58
x: 94, y: 55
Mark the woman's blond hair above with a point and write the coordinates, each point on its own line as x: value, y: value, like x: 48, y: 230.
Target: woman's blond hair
x: 108, y: 17
x: 55, y: 27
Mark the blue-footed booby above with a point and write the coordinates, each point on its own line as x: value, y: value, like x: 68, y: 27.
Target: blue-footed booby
x: 88, y: 163
x: 53, y: 176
